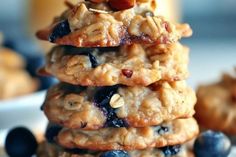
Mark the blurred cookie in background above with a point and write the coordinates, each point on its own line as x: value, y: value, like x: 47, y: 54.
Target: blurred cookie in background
x: 216, y: 106
x: 14, y: 79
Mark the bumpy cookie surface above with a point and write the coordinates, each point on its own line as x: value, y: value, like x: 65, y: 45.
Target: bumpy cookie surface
x: 216, y: 106
x: 171, y: 133
x: 129, y: 65
x: 96, y: 25
x: 49, y: 150
x: 118, y: 106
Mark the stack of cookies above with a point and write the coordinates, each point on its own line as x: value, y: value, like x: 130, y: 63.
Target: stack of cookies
x: 122, y: 90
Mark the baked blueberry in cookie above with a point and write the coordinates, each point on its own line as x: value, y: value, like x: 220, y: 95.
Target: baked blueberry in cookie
x: 171, y: 150
x: 115, y: 153
x: 101, y: 99
x: 162, y: 129
x: 60, y: 30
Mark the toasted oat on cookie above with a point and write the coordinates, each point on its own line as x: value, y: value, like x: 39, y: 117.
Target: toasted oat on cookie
x: 129, y: 65
x: 118, y: 106
x: 171, y: 133
x: 216, y: 106
x: 97, y: 25
x: 50, y: 150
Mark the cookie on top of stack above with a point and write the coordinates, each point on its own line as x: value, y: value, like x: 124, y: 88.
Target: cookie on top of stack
x: 122, y: 90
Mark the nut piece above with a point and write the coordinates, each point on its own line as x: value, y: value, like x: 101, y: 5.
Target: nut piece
x: 98, y: 11
x: 116, y: 101
x: 121, y: 4
x: 128, y: 73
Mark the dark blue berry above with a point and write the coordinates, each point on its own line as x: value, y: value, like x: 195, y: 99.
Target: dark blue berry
x: 60, y: 30
x: 115, y: 153
x: 52, y: 132
x: 212, y: 144
x: 161, y: 129
x: 83, y: 51
x: 93, y: 60
x: 101, y: 99
x: 20, y: 142
x: 171, y: 150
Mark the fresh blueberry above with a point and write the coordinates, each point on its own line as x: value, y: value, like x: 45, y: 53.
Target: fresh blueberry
x: 51, y: 132
x: 20, y: 142
x: 115, y: 153
x: 171, y: 150
x: 60, y: 30
x: 212, y: 144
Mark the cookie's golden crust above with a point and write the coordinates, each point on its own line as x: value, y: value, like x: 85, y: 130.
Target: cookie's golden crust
x: 143, y: 106
x: 180, y: 131
x: 101, y: 29
x: 49, y: 150
x: 146, y: 64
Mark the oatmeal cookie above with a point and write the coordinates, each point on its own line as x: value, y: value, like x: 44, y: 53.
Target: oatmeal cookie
x: 96, y: 25
x: 171, y: 133
x: 49, y: 150
x: 216, y: 106
x: 118, y: 106
x: 14, y: 80
x: 10, y: 59
x: 130, y: 65
x: 15, y: 83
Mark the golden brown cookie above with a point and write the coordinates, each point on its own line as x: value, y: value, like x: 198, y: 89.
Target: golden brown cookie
x: 96, y: 25
x: 15, y: 83
x: 14, y: 80
x: 216, y: 106
x: 130, y: 65
x: 10, y: 59
x: 170, y: 133
x: 49, y: 150
x: 118, y: 106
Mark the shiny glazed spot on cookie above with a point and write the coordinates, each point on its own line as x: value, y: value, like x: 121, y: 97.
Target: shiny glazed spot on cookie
x: 101, y: 100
